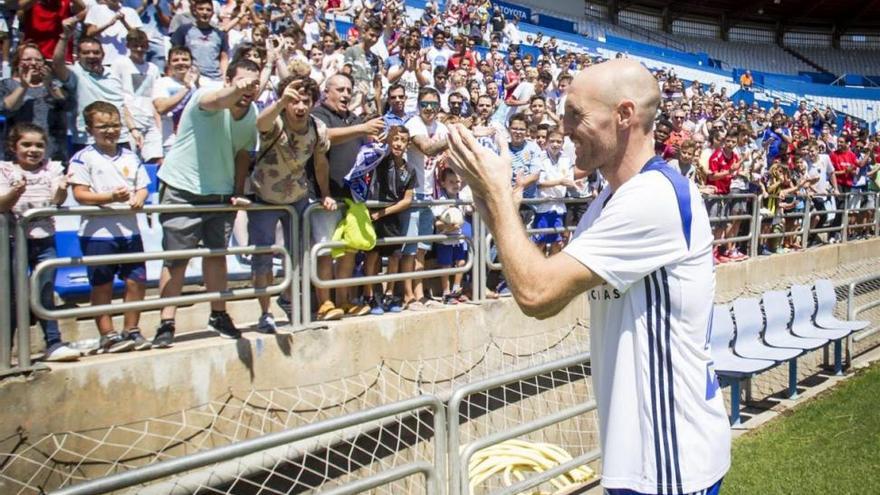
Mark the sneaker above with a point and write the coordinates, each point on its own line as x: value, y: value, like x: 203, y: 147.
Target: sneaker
x: 392, y: 304
x: 765, y: 251
x: 376, y: 307
x: 60, y: 352
x: 134, y: 335
x: 285, y: 306
x: 113, y: 343
x: 328, y: 312
x: 164, y: 335
x: 222, y: 324
x: 450, y: 299
x: 267, y: 324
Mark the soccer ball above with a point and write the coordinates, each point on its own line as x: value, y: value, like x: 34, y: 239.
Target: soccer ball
x: 452, y: 216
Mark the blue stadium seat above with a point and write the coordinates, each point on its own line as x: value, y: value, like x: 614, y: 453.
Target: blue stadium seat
x: 71, y: 282
x: 153, y: 189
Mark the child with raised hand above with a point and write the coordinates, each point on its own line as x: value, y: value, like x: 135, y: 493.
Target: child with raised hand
x: 394, y: 182
x: 449, y: 220
x: 106, y: 174
x: 30, y: 181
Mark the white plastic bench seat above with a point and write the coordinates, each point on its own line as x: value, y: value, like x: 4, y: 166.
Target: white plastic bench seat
x: 802, y: 324
x: 778, y: 314
x: 825, y: 301
x: 749, y: 324
x: 723, y: 358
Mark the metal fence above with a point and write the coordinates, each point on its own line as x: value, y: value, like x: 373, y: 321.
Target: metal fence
x: 245, y: 465
x: 300, y: 265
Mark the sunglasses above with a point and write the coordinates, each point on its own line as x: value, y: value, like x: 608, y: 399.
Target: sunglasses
x: 429, y: 104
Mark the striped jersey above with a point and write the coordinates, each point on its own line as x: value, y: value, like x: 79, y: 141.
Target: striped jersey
x: 662, y: 422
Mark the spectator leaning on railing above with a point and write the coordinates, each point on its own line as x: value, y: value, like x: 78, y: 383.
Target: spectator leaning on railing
x: 29, y: 180
x: 214, y: 174
x: 289, y: 139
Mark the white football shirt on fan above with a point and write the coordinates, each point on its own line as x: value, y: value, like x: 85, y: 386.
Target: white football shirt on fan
x: 662, y: 422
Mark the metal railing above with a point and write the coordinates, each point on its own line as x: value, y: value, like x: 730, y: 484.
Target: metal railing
x: 312, y: 251
x: 300, y: 264
x: 458, y: 461
x: 487, y: 238
x: 804, y: 231
x: 852, y: 310
x: 433, y: 473
x: 28, y: 284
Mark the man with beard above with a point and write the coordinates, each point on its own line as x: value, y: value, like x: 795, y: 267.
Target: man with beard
x: 207, y: 164
x: 643, y: 256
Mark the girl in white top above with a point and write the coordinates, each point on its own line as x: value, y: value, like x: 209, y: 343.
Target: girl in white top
x: 30, y: 181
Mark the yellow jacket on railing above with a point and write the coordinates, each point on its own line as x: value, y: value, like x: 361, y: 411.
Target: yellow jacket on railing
x: 355, y: 230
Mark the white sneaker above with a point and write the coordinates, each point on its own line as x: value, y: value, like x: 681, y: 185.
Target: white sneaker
x: 267, y: 324
x: 61, y: 352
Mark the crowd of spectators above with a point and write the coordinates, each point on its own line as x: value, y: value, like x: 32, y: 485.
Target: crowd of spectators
x: 265, y: 102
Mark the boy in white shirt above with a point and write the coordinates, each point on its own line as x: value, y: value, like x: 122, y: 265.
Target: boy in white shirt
x: 138, y: 78
x: 106, y: 174
x: 454, y: 252
x: 553, y: 181
x: 172, y: 92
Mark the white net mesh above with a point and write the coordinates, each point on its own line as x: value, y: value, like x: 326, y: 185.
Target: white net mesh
x: 33, y: 462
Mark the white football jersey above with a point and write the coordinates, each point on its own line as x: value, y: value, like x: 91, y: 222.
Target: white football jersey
x: 662, y: 422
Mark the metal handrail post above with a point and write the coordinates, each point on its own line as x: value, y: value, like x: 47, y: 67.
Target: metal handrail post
x: 295, y: 267
x: 5, y: 296
x: 876, y: 214
x: 458, y: 483
x: 844, y: 234
x: 306, y: 292
x: 476, y: 275
x: 22, y: 309
x: 755, y: 245
x: 808, y: 217
x: 484, y: 258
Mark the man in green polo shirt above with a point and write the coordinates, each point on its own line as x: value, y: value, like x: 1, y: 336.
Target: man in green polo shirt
x: 207, y: 165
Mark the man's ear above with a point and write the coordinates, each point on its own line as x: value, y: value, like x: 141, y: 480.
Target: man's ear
x: 626, y: 113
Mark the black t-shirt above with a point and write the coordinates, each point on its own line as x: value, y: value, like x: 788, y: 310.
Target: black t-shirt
x: 390, y: 183
x: 340, y: 156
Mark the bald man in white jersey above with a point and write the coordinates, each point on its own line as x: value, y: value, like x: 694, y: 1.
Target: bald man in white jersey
x: 643, y: 255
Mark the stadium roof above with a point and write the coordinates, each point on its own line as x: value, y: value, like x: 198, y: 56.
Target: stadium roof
x: 844, y: 14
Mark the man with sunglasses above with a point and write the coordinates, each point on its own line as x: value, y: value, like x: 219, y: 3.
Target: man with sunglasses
x: 425, y: 154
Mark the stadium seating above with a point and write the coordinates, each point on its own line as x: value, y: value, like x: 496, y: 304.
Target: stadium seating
x: 825, y: 302
x: 840, y: 62
x: 755, y: 56
x: 748, y: 342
